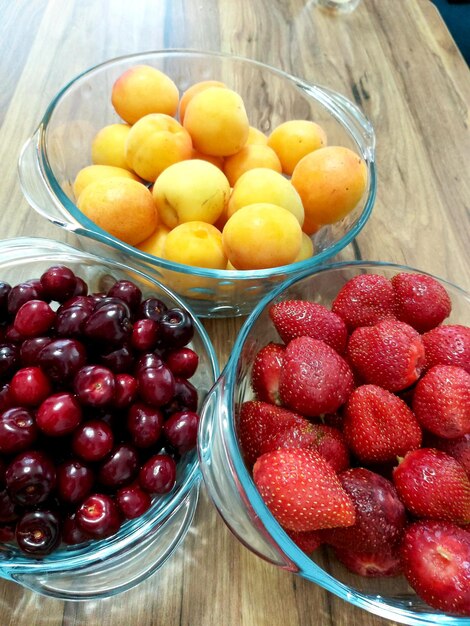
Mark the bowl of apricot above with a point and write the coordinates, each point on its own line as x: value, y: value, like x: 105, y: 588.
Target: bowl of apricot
x: 219, y: 175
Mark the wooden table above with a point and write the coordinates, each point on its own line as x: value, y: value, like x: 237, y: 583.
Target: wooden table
x: 396, y: 59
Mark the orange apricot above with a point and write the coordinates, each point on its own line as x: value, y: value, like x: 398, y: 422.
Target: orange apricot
x: 189, y: 94
x: 248, y: 158
x: 294, y: 139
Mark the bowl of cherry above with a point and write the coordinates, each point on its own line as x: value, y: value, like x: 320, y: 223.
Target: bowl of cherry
x: 103, y: 372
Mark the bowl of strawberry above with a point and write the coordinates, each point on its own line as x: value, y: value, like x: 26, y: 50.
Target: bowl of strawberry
x: 336, y: 443
x: 103, y: 372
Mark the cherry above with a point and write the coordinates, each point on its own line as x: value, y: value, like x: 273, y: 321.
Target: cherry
x: 175, y: 328
x: 98, y: 516
x: 6, y: 397
x: 30, y: 349
x: 72, y: 534
x: 12, y: 335
x: 158, y: 474
x: 5, y: 289
x: 109, y: 324
x: 183, y: 362
x: 94, y: 385
x: 62, y: 358
x: 92, y: 440
x: 59, y: 414
x: 34, y: 318
x: 125, y: 391
x: 9, y: 511
x: 38, y: 532
x: 145, y: 424
x: 133, y: 501
x: 128, y: 292
x: 146, y: 361
x: 71, y: 321
x: 119, y: 360
x: 30, y: 478
x: 30, y: 386
x: 79, y: 302
x: 153, y: 309
x: 156, y: 385
x: 9, y: 359
x: 7, y: 533
x: 180, y: 430
x: 59, y: 283
x: 119, y: 467
x: 185, y: 397
x: 21, y: 293
x: 144, y: 335
x: 81, y: 288
x: 74, y: 481
x: 18, y: 430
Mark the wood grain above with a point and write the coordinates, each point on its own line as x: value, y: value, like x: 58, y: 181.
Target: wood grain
x: 397, y: 61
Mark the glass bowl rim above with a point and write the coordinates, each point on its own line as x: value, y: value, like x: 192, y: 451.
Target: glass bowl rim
x: 302, y: 563
x: 90, y: 229
x: 71, y: 557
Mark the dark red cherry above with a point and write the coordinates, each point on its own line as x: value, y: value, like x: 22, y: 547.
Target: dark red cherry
x: 9, y: 511
x: 94, y: 385
x: 74, y: 481
x: 93, y: 440
x: 9, y: 359
x: 98, y: 516
x: 185, y: 397
x: 30, y: 478
x: 18, y: 430
x: 38, y: 532
x: 62, y: 358
x: 81, y: 288
x: 180, y: 430
x: 21, y: 293
x: 119, y: 360
x: 175, y: 328
x: 30, y: 386
x: 6, y: 397
x: 133, y: 501
x: 144, y: 335
x: 158, y: 474
x: 30, y: 349
x: 59, y: 283
x: 128, y: 292
x: 119, y: 467
x: 109, y: 324
x: 152, y: 308
x: 72, y: 534
x: 146, y: 361
x: 71, y: 321
x: 145, y: 424
x: 59, y: 414
x: 156, y: 385
x: 34, y: 318
x: 125, y: 391
x: 183, y: 362
x: 5, y: 289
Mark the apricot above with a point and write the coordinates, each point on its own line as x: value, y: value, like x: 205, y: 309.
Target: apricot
x: 249, y: 157
x: 154, y: 244
x: 189, y: 94
x: 306, y: 249
x: 217, y: 121
x: 261, y: 235
x: 294, y: 139
x: 189, y: 191
x: 109, y: 146
x: 215, y: 160
x: 197, y: 244
x: 154, y: 143
x: 255, y: 136
x: 122, y: 207
x: 90, y: 173
x: 141, y: 90
x: 330, y: 182
x: 265, y: 185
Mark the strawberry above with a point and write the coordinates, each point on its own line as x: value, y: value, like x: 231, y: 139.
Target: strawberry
x: 302, y: 490
x: 385, y: 562
x: 433, y: 484
x: 441, y: 401
x: 307, y: 541
x: 421, y: 301
x: 300, y: 318
x: 459, y: 448
x: 314, y: 379
x: 389, y: 354
x: 379, y: 426
x: 327, y: 441
x: 365, y: 300
x: 257, y: 422
x: 265, y: 373
x: 380, y: 515
x: 436, y: 563
x: 448, y: 345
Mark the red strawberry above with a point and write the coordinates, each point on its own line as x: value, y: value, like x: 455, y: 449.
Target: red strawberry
x: 379, y: 426
x: 300, y: 318
x: 307, y: 541
x: 314, y: 379
x: 433, y: 484
x: 421, y: 301
x: 459, y: 448
x: 365, y: 300
x: 385, y: 562
x: 257, y: 422
x: 302, y: 490
x: 441, y: 401
x: 380, y: 515
x: 389, y: 354
x: 265, y: 373
x: 436, y: 563
x: 448, y: 345
x: 327, y: 441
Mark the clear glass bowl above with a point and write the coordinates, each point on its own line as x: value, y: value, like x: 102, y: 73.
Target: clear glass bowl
x: 229, y: 482
x: 109, y: 566
x: 61, y: 146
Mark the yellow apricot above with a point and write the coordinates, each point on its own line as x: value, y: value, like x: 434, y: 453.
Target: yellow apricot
x: 189, y: 191
x: 90, y: 173
x: 122, y: 207
x: 154, y: 143
x: 197, y: 244
x: 217, y: 121
x: 294, y: 139
x: 265, y: 185
x: 249, y: 157
x: 215, y: 160
x: 109, y: 146
x: 154, y: 244
x: 189, y: 94
x: 306, y: 248
x: 255, y: 136
x: 260, y: 236
x: 330, y: 182
x: 141, y: 90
